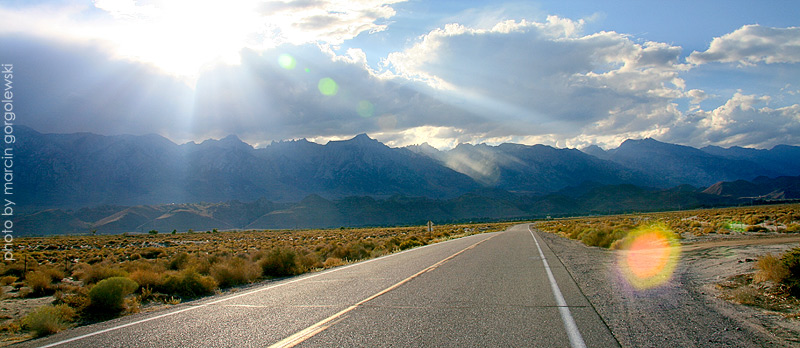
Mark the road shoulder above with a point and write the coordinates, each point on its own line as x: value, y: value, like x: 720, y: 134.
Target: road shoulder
x: 677, y: 313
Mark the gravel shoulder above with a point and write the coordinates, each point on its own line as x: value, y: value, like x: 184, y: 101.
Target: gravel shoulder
x: 686, y: 310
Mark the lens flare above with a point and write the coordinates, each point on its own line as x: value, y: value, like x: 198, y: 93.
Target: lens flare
x: 327, y: 86
x: 365, y: 109
x: 286, y: 61
x: 649, y: 256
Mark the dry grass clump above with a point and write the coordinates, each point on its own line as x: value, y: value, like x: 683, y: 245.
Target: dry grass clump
x: 235, y: 271
x: 49, y: 319
x: 280, y: 262
x: 40, y: 283
x: 771, y: 268
x: 791, y: 260
x: 188, y: 284
x: 333, y: 262
x: 91, y: 274
x: 147, y: 278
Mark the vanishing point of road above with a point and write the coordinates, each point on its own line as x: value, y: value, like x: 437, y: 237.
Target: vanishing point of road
x: 503, y: 289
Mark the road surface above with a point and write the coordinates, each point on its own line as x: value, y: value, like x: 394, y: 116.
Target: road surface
x: 493, y: 289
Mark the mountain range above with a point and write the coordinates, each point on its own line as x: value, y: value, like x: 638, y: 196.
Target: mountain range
x: 315, y: 211
x: 71, y: 183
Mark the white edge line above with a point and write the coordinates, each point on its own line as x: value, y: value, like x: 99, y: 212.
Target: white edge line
x: 575, y: 338
x: 240, y: 295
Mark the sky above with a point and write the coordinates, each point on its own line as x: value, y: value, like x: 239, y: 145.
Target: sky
x: 560, y: 73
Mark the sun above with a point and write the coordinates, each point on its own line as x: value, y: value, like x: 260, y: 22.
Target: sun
x: 182, y: 37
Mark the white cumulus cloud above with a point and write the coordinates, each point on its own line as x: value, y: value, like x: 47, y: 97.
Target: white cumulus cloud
x: 752, y: 44
x: 744, y: 120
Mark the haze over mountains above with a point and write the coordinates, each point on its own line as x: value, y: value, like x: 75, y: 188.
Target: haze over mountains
x: 135, y: 179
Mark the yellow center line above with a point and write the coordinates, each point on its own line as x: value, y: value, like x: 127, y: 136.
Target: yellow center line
x: 323, y: 324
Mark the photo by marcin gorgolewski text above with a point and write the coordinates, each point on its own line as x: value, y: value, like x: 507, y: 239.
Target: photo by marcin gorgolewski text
x: 9, y: 116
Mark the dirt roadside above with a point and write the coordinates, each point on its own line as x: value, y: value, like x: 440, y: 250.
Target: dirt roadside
x: 685, y: 311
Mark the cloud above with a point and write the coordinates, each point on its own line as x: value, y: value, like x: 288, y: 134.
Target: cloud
x: 533, y: 78
x: 752, y: 44
x: 261, y: 100
x: 697, y: 96
x: 182, y: 37
x: 515, y: 81
x: 65, y: 87
x: 744, y: 120
x: 329, y: 21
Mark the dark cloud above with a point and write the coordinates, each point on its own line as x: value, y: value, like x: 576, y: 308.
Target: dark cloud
x: 260, y: 100
x: 65, y: 86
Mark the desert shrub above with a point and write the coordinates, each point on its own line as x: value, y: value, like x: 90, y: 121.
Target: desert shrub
x: 11, y: 327
x: 48, y: 319
x: 308, y: 260
x: 24, y: 292
x: 756, y: 228
x: 280, y: 262
x: 200, y: 263
x: 8, y: 280
x: 188, y: 284
x: 332, y: 262
x: 745, y: 295
x: 39, y: 282
x: 147, y: 278
x: 16, y: 269
x: 351, y: 251
x: 378, y: 252
x: 770, y: 268
x: 791, y: 260
x: 793, y: 228
x: 178, y: 261
x: 132, y: 304
x: 410, y: 243
x: 707, y: 230
x: 108, y: 296
x: 591, y: 237
x: 234, y: 272
x: 753, y: 219
x: 392, y: 243
x: 91, y: 274
x: 55, y: 274
x: 79, y: 300
x: 151, y: 253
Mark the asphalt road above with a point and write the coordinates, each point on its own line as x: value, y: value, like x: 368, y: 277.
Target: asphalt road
x: 479, y: 291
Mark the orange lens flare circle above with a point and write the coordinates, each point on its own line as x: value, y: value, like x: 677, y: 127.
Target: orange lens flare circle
x: 649, y: 256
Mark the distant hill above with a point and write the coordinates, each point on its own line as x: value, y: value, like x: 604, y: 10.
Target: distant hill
x: 73, y: 182
x: 531, y: 169
x: 485, y: 204
x: 760, y: 188
x: 670, y: 165
x: 78, y: 170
